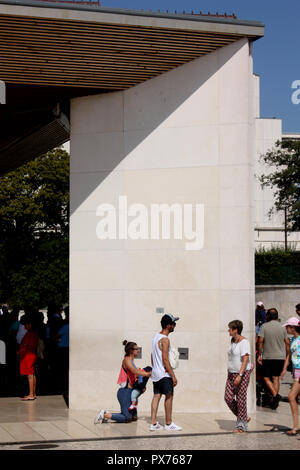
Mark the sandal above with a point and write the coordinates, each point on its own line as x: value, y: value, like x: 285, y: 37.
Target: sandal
x: 238, y: 431
x: 293, y: 432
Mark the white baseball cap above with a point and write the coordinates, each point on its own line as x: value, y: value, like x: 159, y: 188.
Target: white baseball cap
x: 293, y: 321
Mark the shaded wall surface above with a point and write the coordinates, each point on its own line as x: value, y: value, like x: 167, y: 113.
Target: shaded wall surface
x: 282, y: 297
x: 183, y: 137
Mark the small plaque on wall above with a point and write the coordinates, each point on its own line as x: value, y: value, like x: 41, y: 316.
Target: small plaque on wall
x: 183, y: 353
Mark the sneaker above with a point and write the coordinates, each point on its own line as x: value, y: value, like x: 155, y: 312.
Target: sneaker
x: 172, y: 427
x: 156, y: 427
x: 100, y: 417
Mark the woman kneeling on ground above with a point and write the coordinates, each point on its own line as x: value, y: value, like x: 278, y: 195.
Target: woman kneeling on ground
x: 124, y: 395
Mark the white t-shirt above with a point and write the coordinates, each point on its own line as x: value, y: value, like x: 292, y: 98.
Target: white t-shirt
x: 235, y: 353
x: 158, y: 368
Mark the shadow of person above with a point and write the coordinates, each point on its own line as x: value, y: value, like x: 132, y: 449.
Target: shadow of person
x: 277, y: 427
x: 226, y: 424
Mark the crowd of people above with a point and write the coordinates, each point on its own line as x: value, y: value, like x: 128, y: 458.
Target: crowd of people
x: 37, y: 350
x: 277, y: 349
x: 34, y: 351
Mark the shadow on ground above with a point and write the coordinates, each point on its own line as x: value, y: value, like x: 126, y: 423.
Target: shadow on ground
x: 226, y: 424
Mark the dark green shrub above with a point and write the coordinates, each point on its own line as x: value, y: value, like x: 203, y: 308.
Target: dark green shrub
x: 277, y: 266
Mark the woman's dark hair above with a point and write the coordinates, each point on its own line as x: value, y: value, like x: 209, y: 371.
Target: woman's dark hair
x: 297, y: 328
x: 29, y: 320
x: 129, y: 346
x: 236, y: 325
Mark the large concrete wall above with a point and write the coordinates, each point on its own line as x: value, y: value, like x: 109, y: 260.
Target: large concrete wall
x: 183, y: 137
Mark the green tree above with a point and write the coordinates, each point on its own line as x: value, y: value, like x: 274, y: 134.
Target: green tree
x: 284, y: 161
x: 34, y: 232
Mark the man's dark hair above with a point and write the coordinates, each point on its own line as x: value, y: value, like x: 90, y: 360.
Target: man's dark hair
x: 165, y: 321
x: 273, y: 313
x: 298, y: 307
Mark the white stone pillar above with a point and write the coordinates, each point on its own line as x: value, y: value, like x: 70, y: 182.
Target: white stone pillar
x: 182, y: 137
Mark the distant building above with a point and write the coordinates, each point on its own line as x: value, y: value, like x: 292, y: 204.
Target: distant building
x: 269, y: 231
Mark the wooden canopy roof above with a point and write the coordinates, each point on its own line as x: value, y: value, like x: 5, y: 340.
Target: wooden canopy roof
x: 51, y: 52
x: 44, y: 46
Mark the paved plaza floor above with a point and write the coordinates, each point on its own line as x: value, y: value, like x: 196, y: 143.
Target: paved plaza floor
x: 48, y: 422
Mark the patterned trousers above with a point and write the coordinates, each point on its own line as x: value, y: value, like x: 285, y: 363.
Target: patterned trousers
x: 236, y: 397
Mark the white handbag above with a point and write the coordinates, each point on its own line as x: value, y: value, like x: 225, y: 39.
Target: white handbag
x: 174, y: 357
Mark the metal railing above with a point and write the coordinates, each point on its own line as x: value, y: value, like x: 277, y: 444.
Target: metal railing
x: 76, y: 2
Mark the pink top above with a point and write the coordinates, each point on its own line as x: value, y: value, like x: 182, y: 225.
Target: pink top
x: 126, y: 375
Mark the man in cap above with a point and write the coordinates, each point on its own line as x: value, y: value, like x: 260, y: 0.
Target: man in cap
x: 163, y: 377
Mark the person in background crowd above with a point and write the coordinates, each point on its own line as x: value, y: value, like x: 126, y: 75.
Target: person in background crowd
x: 14, y: 322
x: 63, y: 353
x: 4, y: 322
x: 273, y: 349
x: 293, y: 328
x: 21, y: 330
x: 13, y: 369
x: 54, y: 323
x: 239, y: 370
x: 260, y: 316
x: 298, y: 309
x: 40, y: 324
x: 28, y: 357
x: 262, y: 393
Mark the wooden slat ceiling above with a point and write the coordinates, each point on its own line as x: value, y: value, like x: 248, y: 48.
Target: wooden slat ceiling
x: 71, y: 53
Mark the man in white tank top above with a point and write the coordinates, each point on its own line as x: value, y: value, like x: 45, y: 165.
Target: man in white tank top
x: 163, y: 377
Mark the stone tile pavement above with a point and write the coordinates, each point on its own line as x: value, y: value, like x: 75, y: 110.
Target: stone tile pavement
x: 48, y: 419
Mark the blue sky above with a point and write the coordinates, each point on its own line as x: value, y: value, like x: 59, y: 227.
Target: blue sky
x: 276, y: 56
